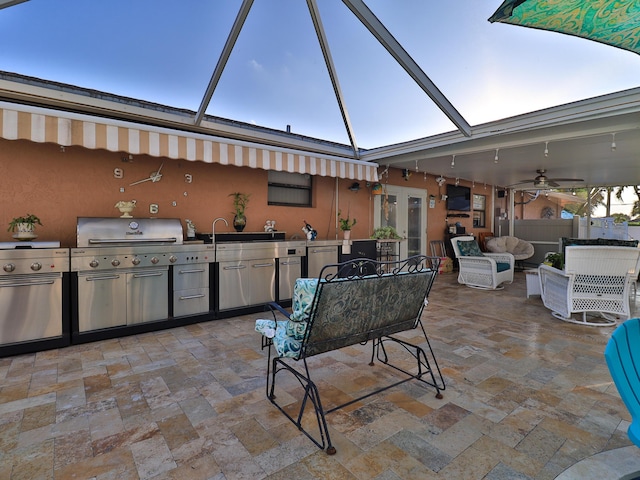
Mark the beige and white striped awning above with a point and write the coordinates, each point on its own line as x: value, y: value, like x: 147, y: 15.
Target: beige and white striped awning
x: 20, y: 122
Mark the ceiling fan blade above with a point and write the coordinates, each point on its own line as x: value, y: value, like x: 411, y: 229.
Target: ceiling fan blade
x: 566, y: 180
x: 551, y: 183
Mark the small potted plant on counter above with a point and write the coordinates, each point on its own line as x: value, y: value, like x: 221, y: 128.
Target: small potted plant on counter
x: 24, y: 226
x: 240, y: 201
x: 346, y: 224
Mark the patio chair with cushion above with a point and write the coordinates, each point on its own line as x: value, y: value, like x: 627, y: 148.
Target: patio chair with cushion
x: 623, y: 360
x: 596, y: 280
x: 481, y: 270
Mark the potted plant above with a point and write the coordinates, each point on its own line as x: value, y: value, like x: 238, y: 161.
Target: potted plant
x: 555, y: 260
x: 24, y: 226
x: 385, y: 233
x: 346, y: 224
x: 240, y: 201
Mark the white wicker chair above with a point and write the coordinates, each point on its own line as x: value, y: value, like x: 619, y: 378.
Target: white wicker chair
x: 482, y: 271
x: 596, y: 279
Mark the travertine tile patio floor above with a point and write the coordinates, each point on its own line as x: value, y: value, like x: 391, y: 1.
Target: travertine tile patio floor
x: 527, y: 397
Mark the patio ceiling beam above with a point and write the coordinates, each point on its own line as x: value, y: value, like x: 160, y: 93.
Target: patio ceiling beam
x: 328, y: 60
x: 224, y: 57
x: 378, y: 30
x: 10, y: 3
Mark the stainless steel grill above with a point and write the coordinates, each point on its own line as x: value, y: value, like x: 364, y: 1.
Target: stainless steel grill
x: 122, y: 267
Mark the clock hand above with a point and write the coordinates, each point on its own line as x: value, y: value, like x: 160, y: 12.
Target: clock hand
x: 141, y: 181
x: 156, y: 176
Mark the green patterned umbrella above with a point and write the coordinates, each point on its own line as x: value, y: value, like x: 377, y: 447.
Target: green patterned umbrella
x: 613, y: 22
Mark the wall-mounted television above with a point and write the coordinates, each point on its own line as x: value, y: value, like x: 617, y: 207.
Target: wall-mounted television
x: 458, y: 198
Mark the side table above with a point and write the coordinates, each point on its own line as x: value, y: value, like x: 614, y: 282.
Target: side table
x: 533, y: 282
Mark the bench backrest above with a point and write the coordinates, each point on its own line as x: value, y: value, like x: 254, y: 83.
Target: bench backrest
x: 599, y: 260
x: 351, y: 310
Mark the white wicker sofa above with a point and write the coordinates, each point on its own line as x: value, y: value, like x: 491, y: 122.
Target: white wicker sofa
x: 595, y: 279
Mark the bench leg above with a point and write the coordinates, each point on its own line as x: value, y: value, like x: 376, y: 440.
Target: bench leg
x: 424, y: 366
x: 311, y: 394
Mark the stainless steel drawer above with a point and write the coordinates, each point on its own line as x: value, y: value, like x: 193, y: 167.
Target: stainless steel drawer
x: 190, y: 302
x: 187, y: 277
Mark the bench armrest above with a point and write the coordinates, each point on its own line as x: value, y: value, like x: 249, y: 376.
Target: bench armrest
x: 274, y: 307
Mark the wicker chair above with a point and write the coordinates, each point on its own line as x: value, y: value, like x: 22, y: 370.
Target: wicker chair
x: 481, y: 270
x: 595, y: 280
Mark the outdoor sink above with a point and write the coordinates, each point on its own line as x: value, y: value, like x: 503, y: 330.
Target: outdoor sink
x: 231, y: 237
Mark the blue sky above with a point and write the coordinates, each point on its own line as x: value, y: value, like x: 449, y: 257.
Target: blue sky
x: 165, y: 51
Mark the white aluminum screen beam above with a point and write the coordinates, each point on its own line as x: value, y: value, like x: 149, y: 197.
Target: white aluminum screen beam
x: 328, y: 60
x: 224, y: 57
x: 10, y: 3
x: 378, y: 30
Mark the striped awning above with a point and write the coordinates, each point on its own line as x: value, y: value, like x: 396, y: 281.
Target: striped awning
x: 19, y: 122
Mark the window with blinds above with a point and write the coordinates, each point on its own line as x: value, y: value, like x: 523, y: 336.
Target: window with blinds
x: 291, y: 189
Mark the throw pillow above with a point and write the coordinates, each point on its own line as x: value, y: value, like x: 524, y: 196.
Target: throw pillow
x: 469, y: 248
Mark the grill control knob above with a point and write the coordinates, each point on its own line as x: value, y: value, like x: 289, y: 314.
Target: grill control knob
x: 154, y: 260
x: 135, y: 261
x: 115, y: 262
x: 35, y: 266
x: 173, y: 259
x: 94, y: 263
x: 9, y: 267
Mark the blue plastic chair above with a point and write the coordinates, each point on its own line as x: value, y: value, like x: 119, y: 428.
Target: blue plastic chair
x: 623, y: 359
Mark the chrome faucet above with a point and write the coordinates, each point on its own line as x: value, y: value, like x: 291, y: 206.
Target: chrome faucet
x: 213, y: 228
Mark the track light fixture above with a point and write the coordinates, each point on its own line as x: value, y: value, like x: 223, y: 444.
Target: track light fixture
x: 457, y: 181
x: 416, y: 165
x: 613, y: 142
x: 495, y: 159
x: 546, y: 149
x: 453, y: 160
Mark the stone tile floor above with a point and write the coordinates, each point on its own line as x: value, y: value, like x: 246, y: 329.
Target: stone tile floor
x: 527, y: 397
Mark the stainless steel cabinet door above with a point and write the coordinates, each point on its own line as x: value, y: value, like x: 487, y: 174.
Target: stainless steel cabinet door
x: 30, y: 309
x: 289, y: 270
x: 102, y: 301
x: 263, y: 281
x: 318, y: 257
x: 233, y: 285
x: 148, y: 296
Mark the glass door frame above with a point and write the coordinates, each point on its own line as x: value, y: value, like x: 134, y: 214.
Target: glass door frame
x: 402, y: 195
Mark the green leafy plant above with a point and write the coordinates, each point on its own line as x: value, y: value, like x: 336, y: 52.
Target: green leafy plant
x: 29, y: 219
x: 240, y: 201
x: 556, y: 260
x: 385, y: 233
x: 346, y: 223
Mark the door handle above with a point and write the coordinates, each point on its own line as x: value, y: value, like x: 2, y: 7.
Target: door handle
x: 237, y: 267
x: 141, y: 275
x: 261, y: 265
x: 200, y: 270
x: 108, y: 277
x: 189, y: 297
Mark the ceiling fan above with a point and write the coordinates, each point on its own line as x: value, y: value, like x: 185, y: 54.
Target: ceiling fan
x: 542, y: 181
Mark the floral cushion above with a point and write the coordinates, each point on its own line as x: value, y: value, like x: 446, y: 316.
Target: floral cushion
x: 469, y: 248
x: 287, y: 335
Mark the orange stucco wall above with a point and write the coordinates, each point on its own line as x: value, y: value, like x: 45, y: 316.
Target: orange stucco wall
x: 59, y: 185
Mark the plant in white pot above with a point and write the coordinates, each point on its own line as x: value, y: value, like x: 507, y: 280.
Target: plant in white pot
x: 24, y: 226
x: 346, y: 224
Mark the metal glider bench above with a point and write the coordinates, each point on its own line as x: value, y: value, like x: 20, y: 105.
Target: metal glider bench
x: 350, y: 303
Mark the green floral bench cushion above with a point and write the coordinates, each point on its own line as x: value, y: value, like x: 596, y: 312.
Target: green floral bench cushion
x: 287, y: 335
